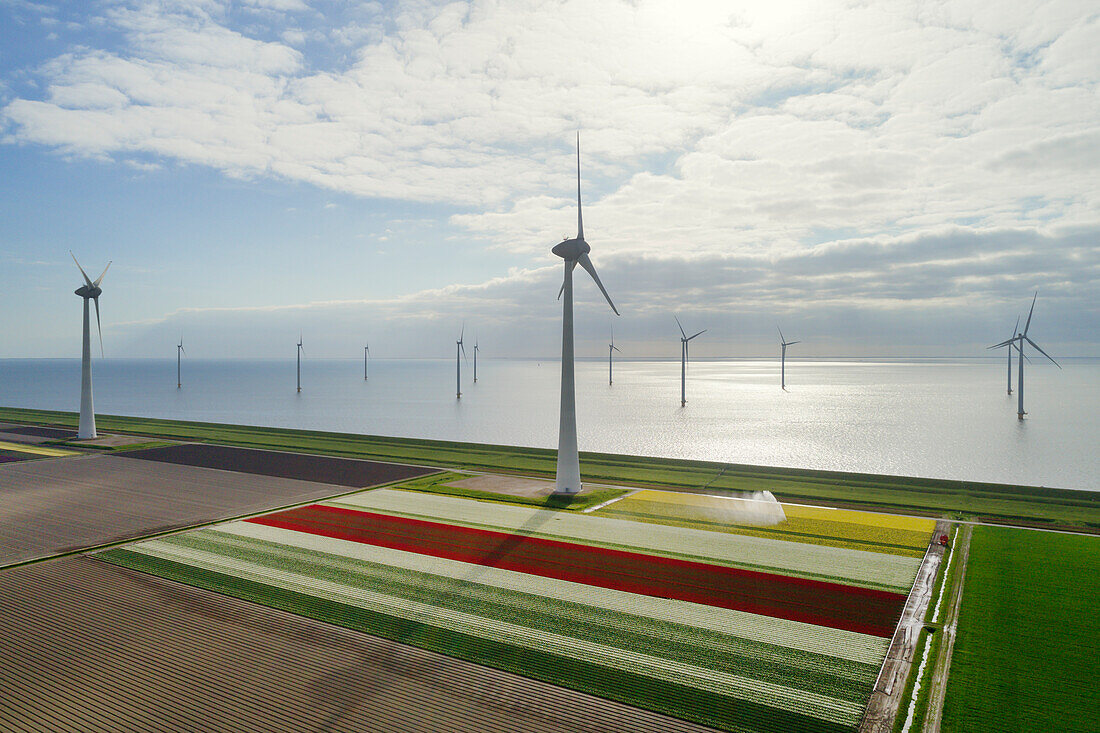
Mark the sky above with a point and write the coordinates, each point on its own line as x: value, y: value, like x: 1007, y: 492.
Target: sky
x: 878, y: 179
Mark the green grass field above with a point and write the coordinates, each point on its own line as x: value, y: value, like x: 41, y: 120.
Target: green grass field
x: 1027, y: 648
x: 996, y: 502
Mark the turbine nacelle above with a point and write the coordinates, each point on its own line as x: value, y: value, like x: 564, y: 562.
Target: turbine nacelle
x: 85, y: 291
x: 571, y: 249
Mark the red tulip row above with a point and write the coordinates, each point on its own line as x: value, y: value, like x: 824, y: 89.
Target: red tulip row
x: 811, y: 601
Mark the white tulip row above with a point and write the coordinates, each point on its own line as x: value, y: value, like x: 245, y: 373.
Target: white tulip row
x: 852, y: 567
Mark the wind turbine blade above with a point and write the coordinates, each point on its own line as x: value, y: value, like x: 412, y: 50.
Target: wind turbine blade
x: 781, y: 339
x: 1037, y: 347
x: 86, y: 278
x: 99, y: 326
x: 99, y: 279
x: 1016, y: 327
x: 682, y: 334
x: 562, y: 289
x: 463, y: 351
x: 616, y: 348
x: 586, y: 262
x: 793, y: 342
x: 1003, y: 343
x: 580, y: 221
x: 1028, y: 324
x: 701, y: 332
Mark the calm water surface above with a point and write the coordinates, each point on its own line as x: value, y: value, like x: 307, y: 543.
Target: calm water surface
x: 939, y: 418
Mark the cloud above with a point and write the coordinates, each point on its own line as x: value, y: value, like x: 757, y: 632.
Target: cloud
x: 841, y: 156
x: 954, y: 292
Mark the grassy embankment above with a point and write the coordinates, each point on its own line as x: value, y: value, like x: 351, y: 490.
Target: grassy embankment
x: 1026, y: 651
x: 992, y: 502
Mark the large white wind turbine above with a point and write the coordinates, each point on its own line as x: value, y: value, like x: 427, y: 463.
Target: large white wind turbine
x: 460, y: 354
x: 611, y: 347
x: 783, y: 358
x: 299, y: 361
x: 88, y: 291
x: 476, y: 349
x: 179, y: 352
x: 366, y: 353
x: 684, y: 338
x: 573, y: 251
x: 1018, y: 340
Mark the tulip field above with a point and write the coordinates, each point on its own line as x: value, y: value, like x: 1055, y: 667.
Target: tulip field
x: 741, y: 630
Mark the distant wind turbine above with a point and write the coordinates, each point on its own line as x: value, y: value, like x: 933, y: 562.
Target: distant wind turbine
x: 299, y: 361
x: 783, y: 358
x: 476, y: 348
x: 179, y: 351
x: 573, y: 251
x: 684, y: 338
x: 611, y: 347
x: 1014, y: 332
x: 366, y: 353
x: 460, y: 354
x: 89, y: 291
x: 1018, y: 340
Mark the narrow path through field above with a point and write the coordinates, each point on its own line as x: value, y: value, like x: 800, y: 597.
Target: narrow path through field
x: 882, y: 708
x: 947, y: 642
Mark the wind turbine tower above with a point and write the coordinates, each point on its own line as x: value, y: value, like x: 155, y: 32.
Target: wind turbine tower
x: 573, y: 251
x: 1019, y: 340
x: 460, y: 354
x: 366, y: 353
x: 179, y: 351
x: 783, y: 358
x: 684, y: 338
x: 89, y: 291
x: 611, y: 347
x: 475, y: 360
x: 299, y: 362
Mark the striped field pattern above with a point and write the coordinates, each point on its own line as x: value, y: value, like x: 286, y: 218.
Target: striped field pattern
x: 708, y: 626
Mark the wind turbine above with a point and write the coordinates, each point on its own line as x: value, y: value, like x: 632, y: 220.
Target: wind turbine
x: 573, y: 251
x: 684, y: 338
x: 460, y: 354
x: 179, y: 351
x: 1018, y: 340
x: 299, y: 361
x: 783, y: 358
x: 611, y: 347
x: 366, y: 353
x: 475, y: 359
x: 1014, y: 331
x: 89, y: 291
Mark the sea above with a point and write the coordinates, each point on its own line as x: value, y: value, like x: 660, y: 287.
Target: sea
x: 940, y: 418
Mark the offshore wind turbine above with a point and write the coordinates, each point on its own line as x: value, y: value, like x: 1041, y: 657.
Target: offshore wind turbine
x: 684, y: 338
x: 611, y: 347
x: 366, y: 353
x: 1018, y: 340
x: 476, y: 347
x: 179, y: 351
x: 460, y: 354
x: 1014, y: 332
x: 88, y: 291
x: 299, y: 361
x: 783, y: 358
x: 573, y: 252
